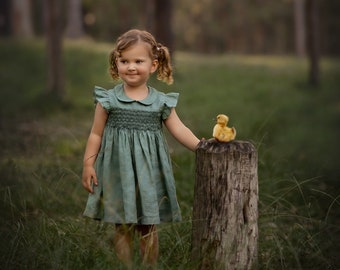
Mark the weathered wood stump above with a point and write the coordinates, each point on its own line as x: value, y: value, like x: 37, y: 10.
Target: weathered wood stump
x: 225, y: 213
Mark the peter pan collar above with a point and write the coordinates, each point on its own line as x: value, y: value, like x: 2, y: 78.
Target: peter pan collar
x: 119, y: 91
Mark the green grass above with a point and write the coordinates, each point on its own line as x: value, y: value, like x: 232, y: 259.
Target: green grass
x: 294, y: 127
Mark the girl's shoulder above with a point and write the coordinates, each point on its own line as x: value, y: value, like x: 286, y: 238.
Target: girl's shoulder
x: 170, y: 98
x: 101, y: 91
x: 106, y: 97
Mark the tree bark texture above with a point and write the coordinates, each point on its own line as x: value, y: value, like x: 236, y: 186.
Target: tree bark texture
x: 225, y: 213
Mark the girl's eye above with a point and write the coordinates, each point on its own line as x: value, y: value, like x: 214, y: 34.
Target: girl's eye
x: 139, y: 61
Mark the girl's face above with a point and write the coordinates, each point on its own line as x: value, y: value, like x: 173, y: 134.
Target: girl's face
x: 135, y: 65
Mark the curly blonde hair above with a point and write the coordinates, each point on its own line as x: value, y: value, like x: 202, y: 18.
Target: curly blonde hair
x: 158, y: 52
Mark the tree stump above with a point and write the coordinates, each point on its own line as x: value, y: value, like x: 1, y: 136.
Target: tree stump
x: 225, y: 213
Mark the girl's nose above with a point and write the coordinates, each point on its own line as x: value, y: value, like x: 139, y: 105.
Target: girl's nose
x: 131, y: 67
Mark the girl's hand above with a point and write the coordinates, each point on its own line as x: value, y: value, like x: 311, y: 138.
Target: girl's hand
x: 89, y: 178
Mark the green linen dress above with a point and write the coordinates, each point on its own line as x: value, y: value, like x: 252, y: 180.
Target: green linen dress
x: 135, y: 178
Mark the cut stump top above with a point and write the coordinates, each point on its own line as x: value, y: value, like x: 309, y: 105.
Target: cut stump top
x: 214, y: 146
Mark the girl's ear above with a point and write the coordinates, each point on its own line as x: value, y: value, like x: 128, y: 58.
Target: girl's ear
x: 154, y: 65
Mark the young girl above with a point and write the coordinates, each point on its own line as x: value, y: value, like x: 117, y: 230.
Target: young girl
x: 127, y: 168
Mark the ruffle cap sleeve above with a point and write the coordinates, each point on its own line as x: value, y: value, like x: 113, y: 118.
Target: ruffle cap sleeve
x: 170, y: 101
x: 101, y: 95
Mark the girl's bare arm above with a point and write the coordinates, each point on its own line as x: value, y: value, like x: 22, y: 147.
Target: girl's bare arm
x: 92, y: 148
x: 180, y: 132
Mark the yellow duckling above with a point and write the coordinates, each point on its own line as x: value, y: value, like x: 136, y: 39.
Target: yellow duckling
x: 221, y: 131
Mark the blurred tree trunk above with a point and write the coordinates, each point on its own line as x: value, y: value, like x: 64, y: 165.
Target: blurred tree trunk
x: 55, y: 78
x: 74, y: 27
x: 149, y: 15
x: 300, y: 28
x: 22, y: 18
x: 163, y: 25
x: 125, y: 18
x: 313, y: 41
x: 5, y: 16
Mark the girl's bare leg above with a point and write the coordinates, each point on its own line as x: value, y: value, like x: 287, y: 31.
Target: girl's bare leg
x: 148, y: 243
x: 123, y: 241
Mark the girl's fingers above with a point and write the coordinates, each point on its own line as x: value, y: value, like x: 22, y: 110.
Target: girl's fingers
x: 95, y: 180
x: 87, y: 184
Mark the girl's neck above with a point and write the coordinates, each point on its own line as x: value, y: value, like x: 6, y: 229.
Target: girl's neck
x: 136, y: 93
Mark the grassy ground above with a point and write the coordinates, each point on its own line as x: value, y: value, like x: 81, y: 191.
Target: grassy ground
x: 294, y: 127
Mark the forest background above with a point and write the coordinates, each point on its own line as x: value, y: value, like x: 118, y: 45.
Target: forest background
x: 273, y: 67
x: 206, y: 26
x: 300, y: 27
